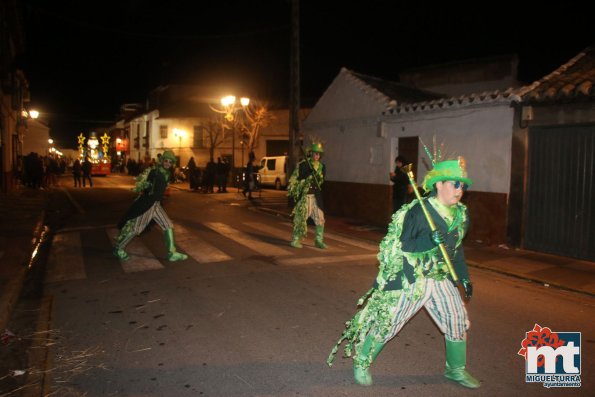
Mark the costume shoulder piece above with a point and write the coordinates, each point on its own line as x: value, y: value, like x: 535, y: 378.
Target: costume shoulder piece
x: 296, y: 188
x: 142, y: 180
x: 390, y: 255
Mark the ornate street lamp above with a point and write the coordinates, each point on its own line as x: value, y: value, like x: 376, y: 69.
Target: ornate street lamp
x: 229, y: 110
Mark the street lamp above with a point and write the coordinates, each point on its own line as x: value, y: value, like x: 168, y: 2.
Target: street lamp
x: 229, y: 110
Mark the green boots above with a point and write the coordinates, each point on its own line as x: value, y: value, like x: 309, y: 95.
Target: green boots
x: 124, y: 237
x: 318, y: 239
x: 456, y: 359
x: 295, y: 242
x: 172, y: 254
x: 319, y: 236
x: 361, y: 363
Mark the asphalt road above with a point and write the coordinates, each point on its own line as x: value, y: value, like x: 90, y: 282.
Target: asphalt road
x: 247, y: 315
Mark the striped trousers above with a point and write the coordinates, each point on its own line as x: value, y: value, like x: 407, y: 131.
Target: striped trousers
x: 443, y: 303
x: 157, y: 213
x: 314, y: 212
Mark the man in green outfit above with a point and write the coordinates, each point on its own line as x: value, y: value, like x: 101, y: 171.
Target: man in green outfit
x: 414, y: 274
x: 305, y: 188
x: 151, y: 185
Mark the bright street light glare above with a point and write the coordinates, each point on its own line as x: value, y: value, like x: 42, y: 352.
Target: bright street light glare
x: 228, y: 100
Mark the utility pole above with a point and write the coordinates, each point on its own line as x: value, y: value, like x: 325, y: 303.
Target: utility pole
x: 294, y: 88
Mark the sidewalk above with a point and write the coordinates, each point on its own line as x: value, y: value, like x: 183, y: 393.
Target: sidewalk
x: 22, y: 214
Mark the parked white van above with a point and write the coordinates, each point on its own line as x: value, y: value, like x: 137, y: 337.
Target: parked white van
x: 273, y: 171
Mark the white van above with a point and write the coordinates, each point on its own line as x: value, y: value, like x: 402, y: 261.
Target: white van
x: 273, y: 171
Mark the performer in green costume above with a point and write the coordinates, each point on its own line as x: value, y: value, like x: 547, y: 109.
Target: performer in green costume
x: 413, y: 274
x: 151, y: 185
x: 305, y: 188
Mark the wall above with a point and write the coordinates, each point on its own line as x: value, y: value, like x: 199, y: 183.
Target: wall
x: 358, y: 160
x: 36, y: 138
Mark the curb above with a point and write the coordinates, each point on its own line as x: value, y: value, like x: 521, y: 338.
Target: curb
x: 10, y: 295
x: 544, y: 283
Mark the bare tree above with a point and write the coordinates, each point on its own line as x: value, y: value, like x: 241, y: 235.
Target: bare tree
x: 214, y: 130
x: 257, y: 117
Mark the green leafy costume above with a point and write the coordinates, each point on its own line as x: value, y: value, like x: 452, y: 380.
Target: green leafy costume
x: 150, y: 185
x: 305, y: 184
x: 408, y: 259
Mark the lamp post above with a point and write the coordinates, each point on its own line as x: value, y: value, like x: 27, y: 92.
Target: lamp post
x: 50, y: 142
x: 229, y: 109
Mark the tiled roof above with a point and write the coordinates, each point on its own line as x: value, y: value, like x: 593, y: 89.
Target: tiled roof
x: 454, y: 102
x: 570, y: 82
x: 394, y: 92
x: 402, y: 98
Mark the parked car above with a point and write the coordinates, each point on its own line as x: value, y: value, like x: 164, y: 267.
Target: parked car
x: 273, y: 171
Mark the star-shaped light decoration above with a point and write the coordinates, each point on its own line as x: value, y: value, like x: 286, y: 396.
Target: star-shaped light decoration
x: 105, y: 142
x: 81, y: 141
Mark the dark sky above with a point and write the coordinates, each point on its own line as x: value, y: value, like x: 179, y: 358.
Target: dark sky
x: 86, y: 58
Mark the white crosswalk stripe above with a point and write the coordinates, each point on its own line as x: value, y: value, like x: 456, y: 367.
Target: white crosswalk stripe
x: 141, y: 258
x: 348, y: 240
x: 247, y: 241
x: 286, y: 233
x: 198, y: 249
x: 66, y: 258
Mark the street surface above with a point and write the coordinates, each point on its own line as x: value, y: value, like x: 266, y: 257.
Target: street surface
x: 247, y: 315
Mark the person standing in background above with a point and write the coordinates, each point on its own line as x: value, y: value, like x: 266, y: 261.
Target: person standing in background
x: 86, y: 167
x: 400, y: 183
x: 76, y: 173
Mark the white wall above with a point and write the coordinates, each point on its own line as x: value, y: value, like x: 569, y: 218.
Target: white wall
x: 482, y: 134
x: 36, y: 138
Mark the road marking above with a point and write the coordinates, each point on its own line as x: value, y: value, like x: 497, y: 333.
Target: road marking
x: 198, y: 249
x: 66, y: 258
x: 326, y: 259
x: 243, y: 239
x: 350, y: 241
x: 274, y: 231
x: 357, y: 243
x: 141, y: 258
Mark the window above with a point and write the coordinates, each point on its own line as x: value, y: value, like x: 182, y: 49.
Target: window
x: 199, y: 137
x: 163, y: 131
x: 271, y: 163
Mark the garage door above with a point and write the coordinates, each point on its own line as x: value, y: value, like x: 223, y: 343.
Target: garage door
x: 561, y: 191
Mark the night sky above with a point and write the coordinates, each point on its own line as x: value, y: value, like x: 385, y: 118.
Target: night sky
x: 86, y: 58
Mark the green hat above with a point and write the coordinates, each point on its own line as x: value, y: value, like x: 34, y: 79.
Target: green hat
x: 317, y: 148
x: 168, y: 155
x: 449, y: 170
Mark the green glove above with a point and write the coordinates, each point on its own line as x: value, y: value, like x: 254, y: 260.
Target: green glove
x: 468, y: 287
x: 437, y: 237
